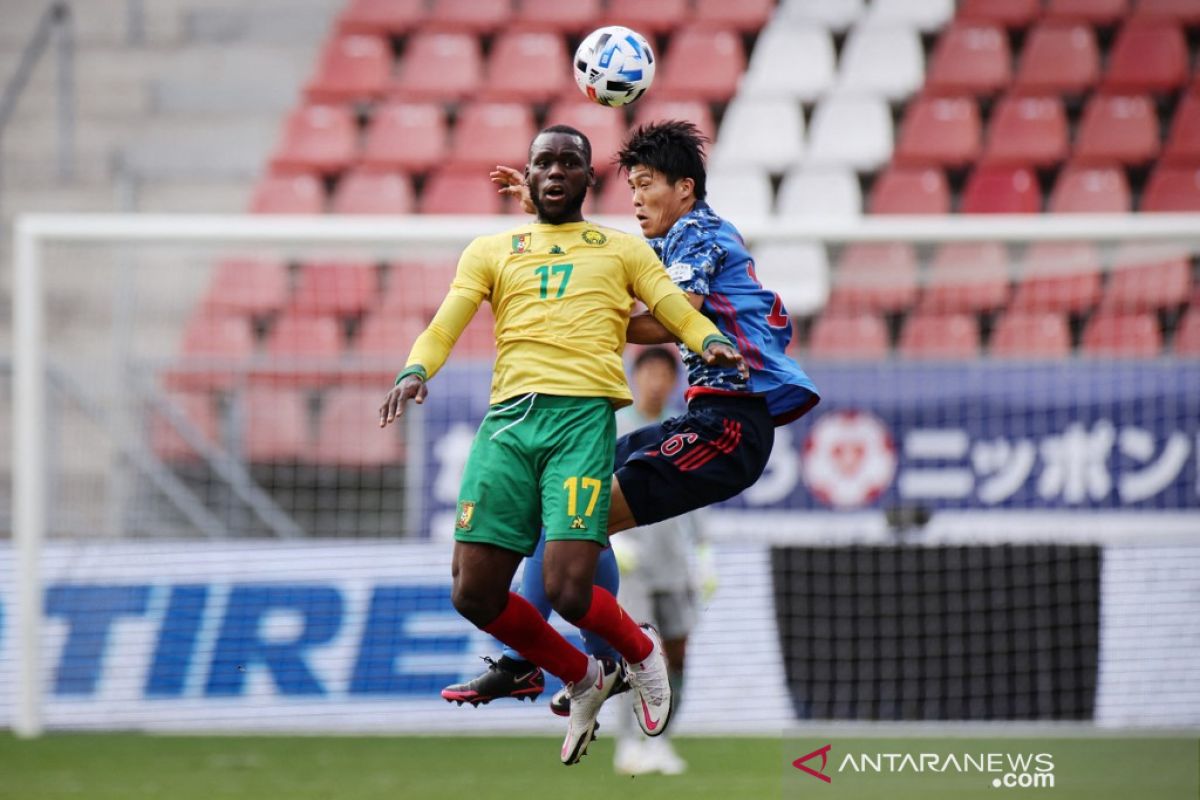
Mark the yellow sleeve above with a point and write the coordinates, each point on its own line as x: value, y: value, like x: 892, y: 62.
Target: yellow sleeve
x: 471, y: 285
x: 668, y: 303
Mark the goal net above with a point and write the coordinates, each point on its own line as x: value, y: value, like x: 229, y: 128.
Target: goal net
x: 993, y: 514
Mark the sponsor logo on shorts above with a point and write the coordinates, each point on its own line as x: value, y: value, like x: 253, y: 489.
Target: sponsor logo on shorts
x: 521, y: 242
x: 578, y: 524
x: 594, y: 237
x: 466, y: 512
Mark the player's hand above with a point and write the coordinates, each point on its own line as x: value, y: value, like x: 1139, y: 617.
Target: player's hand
x: 722, y: 355
x: 512, y: 184
x: 411, y: 388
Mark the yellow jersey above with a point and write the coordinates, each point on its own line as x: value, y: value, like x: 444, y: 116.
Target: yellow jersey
x: 562, y: 296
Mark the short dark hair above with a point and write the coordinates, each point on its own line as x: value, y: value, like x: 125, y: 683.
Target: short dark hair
x: 656, y: 353
x: 674, y: 147
x: 567, y: 129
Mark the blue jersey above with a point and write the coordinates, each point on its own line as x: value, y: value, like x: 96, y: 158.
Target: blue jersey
x: 705, y: 255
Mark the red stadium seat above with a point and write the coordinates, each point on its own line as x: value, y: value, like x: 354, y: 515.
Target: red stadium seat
x: 1043, y: 335
x: 288, y: 194
x: 340, y: 289
x: 1059, y: 58
x: 417, y: 288
x: 661, y: 16
x: 953, y: 336
x: 1091, y: 190
x: 488, y: 134
x: 475, y: 16
x: 478, y: 341
x: 348, y: 433
x: 1093, y: 12
x: 1183, y: 142
x: 1148, y: 277
x: 225, y: 341
x: 383, y: 341
x: 1027, y: 130
x: 1118, y: 129
x: 352, y: 68
x: 1183, y: 12
x: 1001, y: 190
x: 910, y: 191
x: 457, y: 190
x: 967, y: 277
x: 652, y: 109
x: 1187, y: 335
x: 369, y: 192
x: 615, y: 198
x: 1122, y: 336
x: 1009, y: 13
x: 575, y: 17
x: 1059, y: 276
x: 275, y: 424
x: 874, y: 277
x: 388, y: 17
x: 527, y: 66
x: 703, y: 64
x: 970, y: 58
x: 197, y: 410
x: 254, y: 287
x: 317, y: 138
x: 1147, y: 57
x: 939, y: 131
x: 407, y: 136
x: 604, y: 129
x: 746, y: 16
x: 849, y: 337
x: 304, y: 351
x: 1173, y: 188
x: 439, y: 66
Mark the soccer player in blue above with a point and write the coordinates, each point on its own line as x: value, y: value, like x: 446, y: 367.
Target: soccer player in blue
x: 721, y: 445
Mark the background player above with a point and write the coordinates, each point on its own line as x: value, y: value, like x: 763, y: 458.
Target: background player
x: 544, y: 452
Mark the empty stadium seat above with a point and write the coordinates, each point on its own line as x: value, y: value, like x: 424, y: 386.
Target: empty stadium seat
x: 334, y: 288
x: 1022, y: 335
x: 1093, y: 12
x: 1058, y: 276
x: 388, y: 334
x: 767, y: 134
x: 353, y: 68
x: 823, y: 193
x: 651, y: 19
x: 967, y: 277
x: 790, y: 60
x: 1187, y: 335
x: 1118, y: 129
x: 883, y: 61
x: 970, y: 58
x: 478, y: 341
x: 575, y: 17
x: 1082, y: 189
x: 439, y: 66
x: 303, y: 351
x: 1147, y: 57
x: 741, y: 195
x: 527, y: 66
x: 252, y: 287
x: 940, y: 337
x: 389, y: 17
x: 615, y: 198
x: 1027, y: 130
x: 853, y: 132
x: 925, y: 15
x: 348, y: 433
x: 833, y: 15
x: 745, y: 15
x: 704, y: 64
x: 1148, y: 277
x: 288, y: 194
x: 848, y: 337
x: 941, y: 131
x: 416, y: 288
x: 1009, y: 13
x: 1116, y: 335
x: 198, y: 411
x: 475, y: 16
x: 1173, y: 188
x: 274, y: 424
x: 1059, y: 58
x: 368, y: 192
x: 652, y: 109
x: 457, y: 190
x: 1183, y: 12
x: 875, y: 278
x: 221, y: 343
x: 488, y: 134
x: 1001, y: 190
x: 406, y: 136
x: 1183, y: 142
x: 900, y: 190
x: 798, y: 273
x: 605, y: 130
x: 317, y: 138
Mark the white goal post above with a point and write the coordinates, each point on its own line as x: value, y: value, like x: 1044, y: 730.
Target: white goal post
x: 34, y: 232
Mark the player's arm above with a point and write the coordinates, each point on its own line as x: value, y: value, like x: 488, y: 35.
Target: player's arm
x: 645, y: 329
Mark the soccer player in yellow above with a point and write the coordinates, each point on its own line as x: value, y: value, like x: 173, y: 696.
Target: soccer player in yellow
x: 562, y: 291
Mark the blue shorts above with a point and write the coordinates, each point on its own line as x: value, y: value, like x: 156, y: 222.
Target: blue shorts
x: 711, y: 453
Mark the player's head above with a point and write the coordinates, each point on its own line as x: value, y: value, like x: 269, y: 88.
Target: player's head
x: 655, y: 371
x: 665, y: 165
x: 559, y: 173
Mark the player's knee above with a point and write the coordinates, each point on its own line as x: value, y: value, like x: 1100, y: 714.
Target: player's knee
x: 478, y: 607
x: 571, y: 599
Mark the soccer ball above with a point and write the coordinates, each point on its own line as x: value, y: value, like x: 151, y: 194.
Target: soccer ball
x: 614, y: 66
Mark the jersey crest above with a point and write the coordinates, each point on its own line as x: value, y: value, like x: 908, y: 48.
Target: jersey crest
x: 521, y: 242
x: 594, y: 237
x: 466, y: 511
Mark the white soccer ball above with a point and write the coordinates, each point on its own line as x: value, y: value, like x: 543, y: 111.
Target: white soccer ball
x: 614, y: 66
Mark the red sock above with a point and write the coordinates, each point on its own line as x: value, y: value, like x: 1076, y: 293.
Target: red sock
x: 606, y: 618
x: 522, y: 628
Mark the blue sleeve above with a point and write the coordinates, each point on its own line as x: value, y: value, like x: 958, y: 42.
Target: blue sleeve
x: 693, y: 259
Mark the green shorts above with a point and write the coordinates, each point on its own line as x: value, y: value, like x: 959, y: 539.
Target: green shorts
x: 539, y: 461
